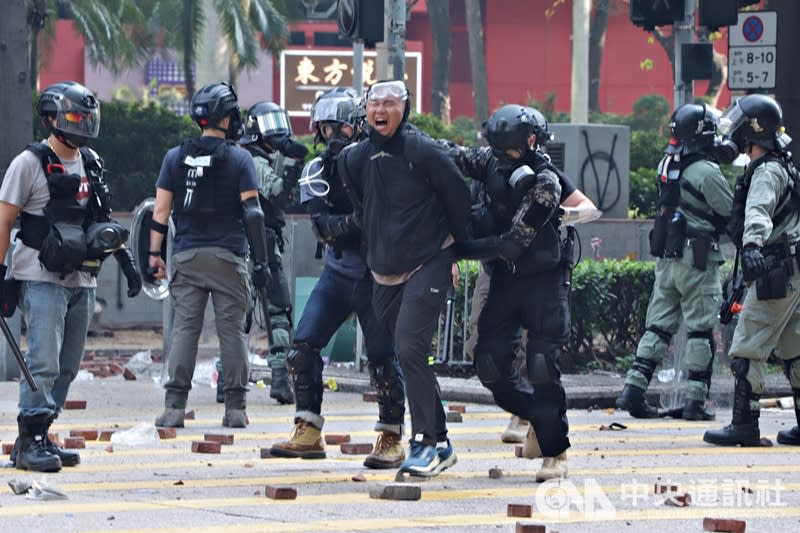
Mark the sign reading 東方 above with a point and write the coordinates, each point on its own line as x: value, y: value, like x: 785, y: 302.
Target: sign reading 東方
x: 305, y: 74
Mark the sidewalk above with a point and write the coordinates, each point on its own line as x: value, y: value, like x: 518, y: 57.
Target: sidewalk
x: 107, y: 356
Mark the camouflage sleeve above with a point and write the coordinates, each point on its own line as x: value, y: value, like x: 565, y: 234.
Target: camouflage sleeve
x: 471, y: 161
x: 269, y: 183
x: 537, y: 207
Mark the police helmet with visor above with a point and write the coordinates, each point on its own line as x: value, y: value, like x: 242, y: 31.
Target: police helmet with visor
x: 76, y: 112
x: 264, y: 120
x: 212, y: 103
x: 336, y: 117
x: 693, y: 128
x: 753, y: 119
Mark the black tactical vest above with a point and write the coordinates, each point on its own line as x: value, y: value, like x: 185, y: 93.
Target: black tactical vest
x: 201, y: 188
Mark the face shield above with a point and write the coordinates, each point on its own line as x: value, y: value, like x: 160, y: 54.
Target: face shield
x: 334, y: 109
x: 731, y: 119
x: 274, y: 123
x: 76, y: 119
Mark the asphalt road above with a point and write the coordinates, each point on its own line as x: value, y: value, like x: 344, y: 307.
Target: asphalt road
x: 162, y: 486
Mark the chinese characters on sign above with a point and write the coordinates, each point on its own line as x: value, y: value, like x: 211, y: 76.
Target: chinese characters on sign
x: 307, y: 73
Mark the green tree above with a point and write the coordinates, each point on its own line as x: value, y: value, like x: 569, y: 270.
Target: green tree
x: 111, y: 30
x: 248, y: 26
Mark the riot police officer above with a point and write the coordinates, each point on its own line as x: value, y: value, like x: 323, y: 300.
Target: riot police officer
x: 57, y: 189
x: 765, y: 224
x: 693, y: 209
x: 277, y: 158
x: 524, y: 193
x: 344, y: 287
x: 210, y: 187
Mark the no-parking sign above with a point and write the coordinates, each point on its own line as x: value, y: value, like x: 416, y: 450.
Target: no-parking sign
x: 751, y: 50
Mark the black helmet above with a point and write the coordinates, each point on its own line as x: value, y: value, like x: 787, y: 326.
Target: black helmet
x: 693, y: 128
x: 264, y: 120
x: 540, y: 127
x: 755, y: 119
x: 509, y: 129
x: 76, y: 110
x: 341, y: 105
x: 214, y: 102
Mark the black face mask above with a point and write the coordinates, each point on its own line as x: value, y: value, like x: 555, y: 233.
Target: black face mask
x: 725, y: 151
x: 235, y: 127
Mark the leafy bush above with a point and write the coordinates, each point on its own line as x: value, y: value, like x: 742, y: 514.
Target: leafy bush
x: 647, y: 149
x: 643, y: 196
x: 609, y: 304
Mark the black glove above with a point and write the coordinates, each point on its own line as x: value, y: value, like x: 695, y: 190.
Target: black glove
x: 125, y: 259
x: 510, y: 248
x: 291, y: 173
x: 288, y: 147
x: 261, y: 275
x: 9, y: 294
x: 753, y: 262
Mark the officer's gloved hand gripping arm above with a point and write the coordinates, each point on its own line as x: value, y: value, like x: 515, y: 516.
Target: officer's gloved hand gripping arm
x: 8, y: 287
x: 538, y: 205
x: 257, y: 237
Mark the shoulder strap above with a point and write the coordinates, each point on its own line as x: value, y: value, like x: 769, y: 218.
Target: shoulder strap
x: 50, y: 161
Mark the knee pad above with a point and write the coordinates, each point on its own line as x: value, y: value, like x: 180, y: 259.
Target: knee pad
x: 304, y: 359
x: 385, y: 375
x: 542, y: 368
x: 486, y: 368
x: 663, y: 334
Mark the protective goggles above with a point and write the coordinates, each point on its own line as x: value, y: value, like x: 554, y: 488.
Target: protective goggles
x: 731, y: 119
x: 274, y: 123
x: 387, y: 89
x: 78, y: 120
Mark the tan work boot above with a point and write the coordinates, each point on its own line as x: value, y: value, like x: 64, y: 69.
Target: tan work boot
x: 553, y: 468
x: 515, y: 432
x: 530, y: 448
x: 304, y: 442
x: 387, y: 453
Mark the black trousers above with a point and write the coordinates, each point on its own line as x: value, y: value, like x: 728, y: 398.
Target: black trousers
x: 411, y: 313
x: 538, y: 303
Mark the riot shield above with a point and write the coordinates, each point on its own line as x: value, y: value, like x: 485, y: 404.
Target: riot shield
x: 157, y: 289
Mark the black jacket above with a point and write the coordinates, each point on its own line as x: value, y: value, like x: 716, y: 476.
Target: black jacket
x: 412, y: 197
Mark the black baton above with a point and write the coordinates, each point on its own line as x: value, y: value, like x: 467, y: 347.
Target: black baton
x: 18, y: 354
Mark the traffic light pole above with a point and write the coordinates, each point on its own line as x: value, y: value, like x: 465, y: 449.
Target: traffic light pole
x: 397, y: 39
x: 683, y: 33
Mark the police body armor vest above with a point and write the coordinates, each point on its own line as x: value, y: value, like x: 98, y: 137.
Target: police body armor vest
x: 788, y: 203
x: 545, y: 251
x: 201, y: 190
x: 670, y: 229
x: 60, y: 234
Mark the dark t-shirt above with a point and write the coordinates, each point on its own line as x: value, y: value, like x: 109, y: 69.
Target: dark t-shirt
x: 225, y: 230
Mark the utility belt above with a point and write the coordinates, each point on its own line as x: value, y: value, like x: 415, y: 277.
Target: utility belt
x: 65, y: 247
x: 781, y: 259
x: 671, y: 234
